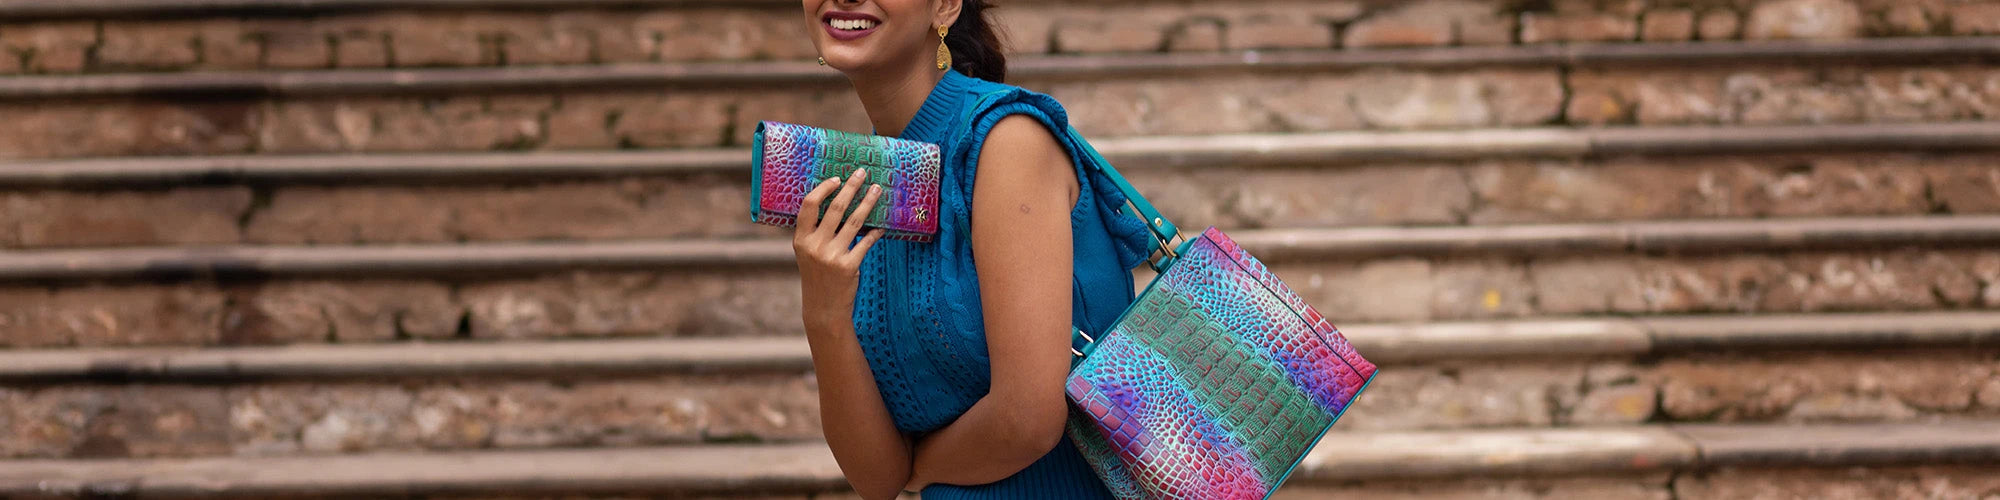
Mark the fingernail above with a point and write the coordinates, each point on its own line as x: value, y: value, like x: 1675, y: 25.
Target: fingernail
x: 874, y: 189
x: 860, y: 172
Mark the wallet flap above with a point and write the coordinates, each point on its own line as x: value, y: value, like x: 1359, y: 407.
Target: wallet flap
x: 791, y: 159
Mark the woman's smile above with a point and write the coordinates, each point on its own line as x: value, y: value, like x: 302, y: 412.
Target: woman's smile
x: 849, y: 25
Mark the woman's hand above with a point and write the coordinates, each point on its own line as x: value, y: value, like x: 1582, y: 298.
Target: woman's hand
x: 873, y: 455
x: 829, y: 268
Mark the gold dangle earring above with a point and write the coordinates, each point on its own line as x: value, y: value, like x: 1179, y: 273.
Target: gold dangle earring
x: 944, y: 53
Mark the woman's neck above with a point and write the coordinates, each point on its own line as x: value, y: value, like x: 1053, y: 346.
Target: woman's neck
x: 893, y: 98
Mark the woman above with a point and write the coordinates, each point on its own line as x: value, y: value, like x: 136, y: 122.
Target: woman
x: 941, y: 365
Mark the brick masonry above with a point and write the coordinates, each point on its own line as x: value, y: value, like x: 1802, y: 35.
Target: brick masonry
x: 1969, y: 481
x: 1526, y: 191
x: 280, y: 418
x: 626, y: 208
x: 1891, y: 386
x: 1782, y: 95
x: 766, y: 302
x: 1749, y: 484
x: 587, y: 36
x: 1373, y: 99
x: 292, y: 418
x: 1512, y: 191
x: 1879, y: 386
x: 1644, y: 487
x: 99, y: 218
x: 286, y: 418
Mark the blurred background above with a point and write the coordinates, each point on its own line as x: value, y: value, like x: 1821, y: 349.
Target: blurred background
x: 500, y: 249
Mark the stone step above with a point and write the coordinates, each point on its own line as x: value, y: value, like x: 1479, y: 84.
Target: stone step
x: 807, y: 468
x: 1689, y: 237
x: 253, y: 417
x: 13, y: 10
x: 596, y: 107
x: 196, y: 35
x: 294, y: 294
x: 589, y: 304
x: 1131, y: 154
x: 1544, y: 373
x: 1387, y: 343
x: 1483, y: 177
x: 306, y: 83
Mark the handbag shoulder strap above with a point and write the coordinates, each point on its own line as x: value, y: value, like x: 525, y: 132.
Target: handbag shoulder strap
x: 1165, y: 234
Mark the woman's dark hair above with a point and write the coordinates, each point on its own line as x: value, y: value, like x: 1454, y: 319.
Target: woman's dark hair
x: 976, y: 49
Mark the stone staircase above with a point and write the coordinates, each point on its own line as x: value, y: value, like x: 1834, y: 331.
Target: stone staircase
x: 496, y: 248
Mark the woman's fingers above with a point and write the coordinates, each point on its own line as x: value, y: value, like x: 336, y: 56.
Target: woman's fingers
x: 860, y: 250
x: 853, y: 223
x: 841, y: 201
x: 809, y: 209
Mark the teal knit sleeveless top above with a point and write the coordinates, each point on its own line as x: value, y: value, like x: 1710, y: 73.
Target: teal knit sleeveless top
x: 917, y: 312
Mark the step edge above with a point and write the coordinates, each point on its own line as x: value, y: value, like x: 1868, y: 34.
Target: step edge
x: 1137, y: 153
x: 1384, y: 343
x: 38, y: 10
x: 1696, y: 236
x: 1707, y: 333
x: 374, y: 81
x: 802, y: 467
x: 1348, y: 457
x: 1338, y: 458
x: 1946, y: 441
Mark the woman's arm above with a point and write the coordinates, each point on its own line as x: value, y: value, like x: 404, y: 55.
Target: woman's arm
x: 1021, y: 247
x: 871, y: 453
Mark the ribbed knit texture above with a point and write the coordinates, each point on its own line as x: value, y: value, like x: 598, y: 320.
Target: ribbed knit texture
x: 918, y: 311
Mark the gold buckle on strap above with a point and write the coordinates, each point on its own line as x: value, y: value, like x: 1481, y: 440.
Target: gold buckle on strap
x: 1167, y: 247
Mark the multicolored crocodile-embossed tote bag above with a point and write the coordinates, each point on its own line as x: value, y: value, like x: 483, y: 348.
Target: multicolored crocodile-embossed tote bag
x: 1218, y: 379
x: 792, y: 159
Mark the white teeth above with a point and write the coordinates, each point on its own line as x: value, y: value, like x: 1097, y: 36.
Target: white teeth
x: 851, y: 24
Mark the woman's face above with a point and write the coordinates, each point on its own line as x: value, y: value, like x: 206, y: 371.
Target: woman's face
x: 861, y: 34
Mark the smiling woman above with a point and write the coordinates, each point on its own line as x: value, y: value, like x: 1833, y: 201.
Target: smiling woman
x: 941, y: 365
x: 850, y: 25
x: 970, y: 46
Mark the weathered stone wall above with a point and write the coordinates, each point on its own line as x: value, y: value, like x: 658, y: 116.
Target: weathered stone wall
x: 295, y: 418
x: 765, y: 302
x: 94, y: 419
x: 1875, y: 483
x: 1369, y: 99
x: 776, y: 31
x: 1970, y: 481
x: 1403, y: 289
x: 1501, y: 191
x: 580, y: 304
x: 1645, y: 487
x: 1894, y: 386
x: 286, y: 418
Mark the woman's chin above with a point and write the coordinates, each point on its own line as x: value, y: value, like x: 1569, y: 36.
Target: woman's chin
x: 849, y: 62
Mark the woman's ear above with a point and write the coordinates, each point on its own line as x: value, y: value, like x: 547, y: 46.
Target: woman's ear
x: 948, y: 10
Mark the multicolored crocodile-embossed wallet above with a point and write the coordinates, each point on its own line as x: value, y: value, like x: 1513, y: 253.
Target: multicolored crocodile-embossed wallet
x: 1215, y: 382
x: 791, y: 159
